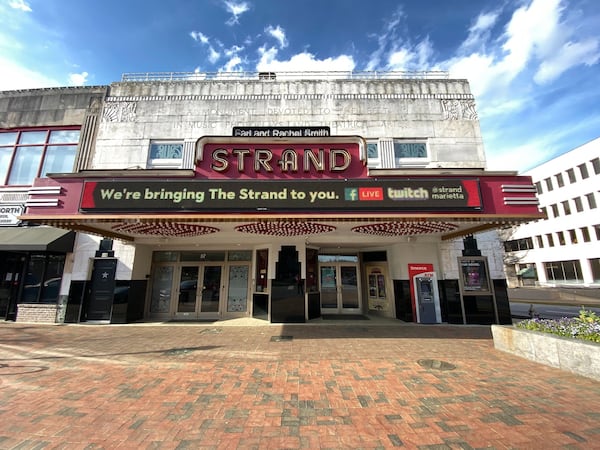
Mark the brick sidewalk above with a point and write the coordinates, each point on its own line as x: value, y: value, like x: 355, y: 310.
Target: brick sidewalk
x: 274, y: 387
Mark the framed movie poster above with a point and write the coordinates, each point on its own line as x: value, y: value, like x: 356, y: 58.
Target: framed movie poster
x: 474, y: 275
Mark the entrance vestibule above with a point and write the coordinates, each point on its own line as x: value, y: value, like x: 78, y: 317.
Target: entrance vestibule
x: 339, y: 283
x: 195, y: 285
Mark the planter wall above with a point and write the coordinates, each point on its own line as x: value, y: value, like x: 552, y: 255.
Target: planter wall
x: 580, y: 357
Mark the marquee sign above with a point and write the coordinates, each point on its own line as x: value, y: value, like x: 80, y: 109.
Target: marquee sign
x: 276, y: 160
x: 253, y: 195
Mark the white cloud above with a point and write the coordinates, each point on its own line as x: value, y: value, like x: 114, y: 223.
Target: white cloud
x: 20, y: 4
x: 401, y: 59
x: 569, y: 55
x: 199, y: 37
x: 302, y: 62
x: 538, y: 44
x: 236, y: 9
x: 13, y: 77
x: 517, y: 157
x: 78, y: 79
x: 233, y: 50
x: 384, y: 39
x: 480, y: 31
x: 232, y: 65
x: 278, y: 33
x: 531, y: 32
x: 213, y: 55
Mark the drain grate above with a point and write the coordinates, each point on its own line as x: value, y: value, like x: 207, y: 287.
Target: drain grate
x: 436, y: 364
x: 178, y: 351
x: 211, y: 331
x: 281, y: 338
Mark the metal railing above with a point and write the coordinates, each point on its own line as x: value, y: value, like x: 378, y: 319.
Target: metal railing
x: 286, y: 76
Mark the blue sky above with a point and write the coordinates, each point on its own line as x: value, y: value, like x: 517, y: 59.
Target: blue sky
x: 533, y: 65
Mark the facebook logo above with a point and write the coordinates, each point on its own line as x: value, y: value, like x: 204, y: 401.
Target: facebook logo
x: 351, y: 194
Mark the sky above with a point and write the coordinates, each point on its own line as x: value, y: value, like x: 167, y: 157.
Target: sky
x: 533, y: 65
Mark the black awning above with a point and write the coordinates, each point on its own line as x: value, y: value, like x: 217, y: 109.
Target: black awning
x: 36, y: 239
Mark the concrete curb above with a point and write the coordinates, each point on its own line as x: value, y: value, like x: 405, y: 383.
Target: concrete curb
x: 580, y: 357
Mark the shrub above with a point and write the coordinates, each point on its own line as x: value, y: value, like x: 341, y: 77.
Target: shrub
x: 585, y: 327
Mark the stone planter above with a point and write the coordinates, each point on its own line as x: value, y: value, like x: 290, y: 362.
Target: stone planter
x: 573, y: 355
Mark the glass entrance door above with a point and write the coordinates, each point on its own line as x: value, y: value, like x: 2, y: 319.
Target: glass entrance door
x: 340, y: 290
x: 211, y: 289
x: 188, y: 290
x: 199, y: 290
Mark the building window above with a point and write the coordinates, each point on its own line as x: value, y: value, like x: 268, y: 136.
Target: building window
x: 410, y: 153
x: 597, y: 230
x: 554, y: 210
x: 544, y: 212
x: 596, y: 165
x: 573, y: 236
x: 550, y: 240
x: 561, y: 237
x: 585, y: 233
x: 540, y: 241
x: 538, y: 187
x: 563, y: 271
x: 595, y: 266
x: 571, y: 175
x: 165, y: 155
x: 373, y: 155
x: 566, y: 207
x: 549, y: 184
x: 518, y: 244
x: 578, y: 204
x: 559, y: 180
x: 33, y: 153
x: 583, y: 171
x: 591, y: 200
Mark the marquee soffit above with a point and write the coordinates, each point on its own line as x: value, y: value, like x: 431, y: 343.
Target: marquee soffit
x: 181, y: 226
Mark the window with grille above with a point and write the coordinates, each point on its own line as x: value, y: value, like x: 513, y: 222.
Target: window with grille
x: 165, y: 155
x: 373, y: 154
x: 410, y: 153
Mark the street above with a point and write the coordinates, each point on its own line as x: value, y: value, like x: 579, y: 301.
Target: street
x: 520, y: 310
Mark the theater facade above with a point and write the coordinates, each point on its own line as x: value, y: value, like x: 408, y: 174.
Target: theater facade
x: 285, y: 197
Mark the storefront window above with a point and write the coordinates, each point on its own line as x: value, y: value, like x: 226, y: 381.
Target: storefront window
x: 43, y: 278
x: 567, y: 271
x: 162, y: 285
x: 240, y: 256
x: 237, y: 293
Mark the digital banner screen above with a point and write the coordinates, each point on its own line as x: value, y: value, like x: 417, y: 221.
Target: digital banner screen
x: 310, y: 195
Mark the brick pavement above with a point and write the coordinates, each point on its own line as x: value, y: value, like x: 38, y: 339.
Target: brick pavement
x: 190, y: 386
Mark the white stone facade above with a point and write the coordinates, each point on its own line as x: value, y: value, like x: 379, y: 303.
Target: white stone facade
x: 441, y: 112
x: 569, y: 239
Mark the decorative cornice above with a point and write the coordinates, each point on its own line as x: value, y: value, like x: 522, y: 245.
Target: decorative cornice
x: 238, y: 97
